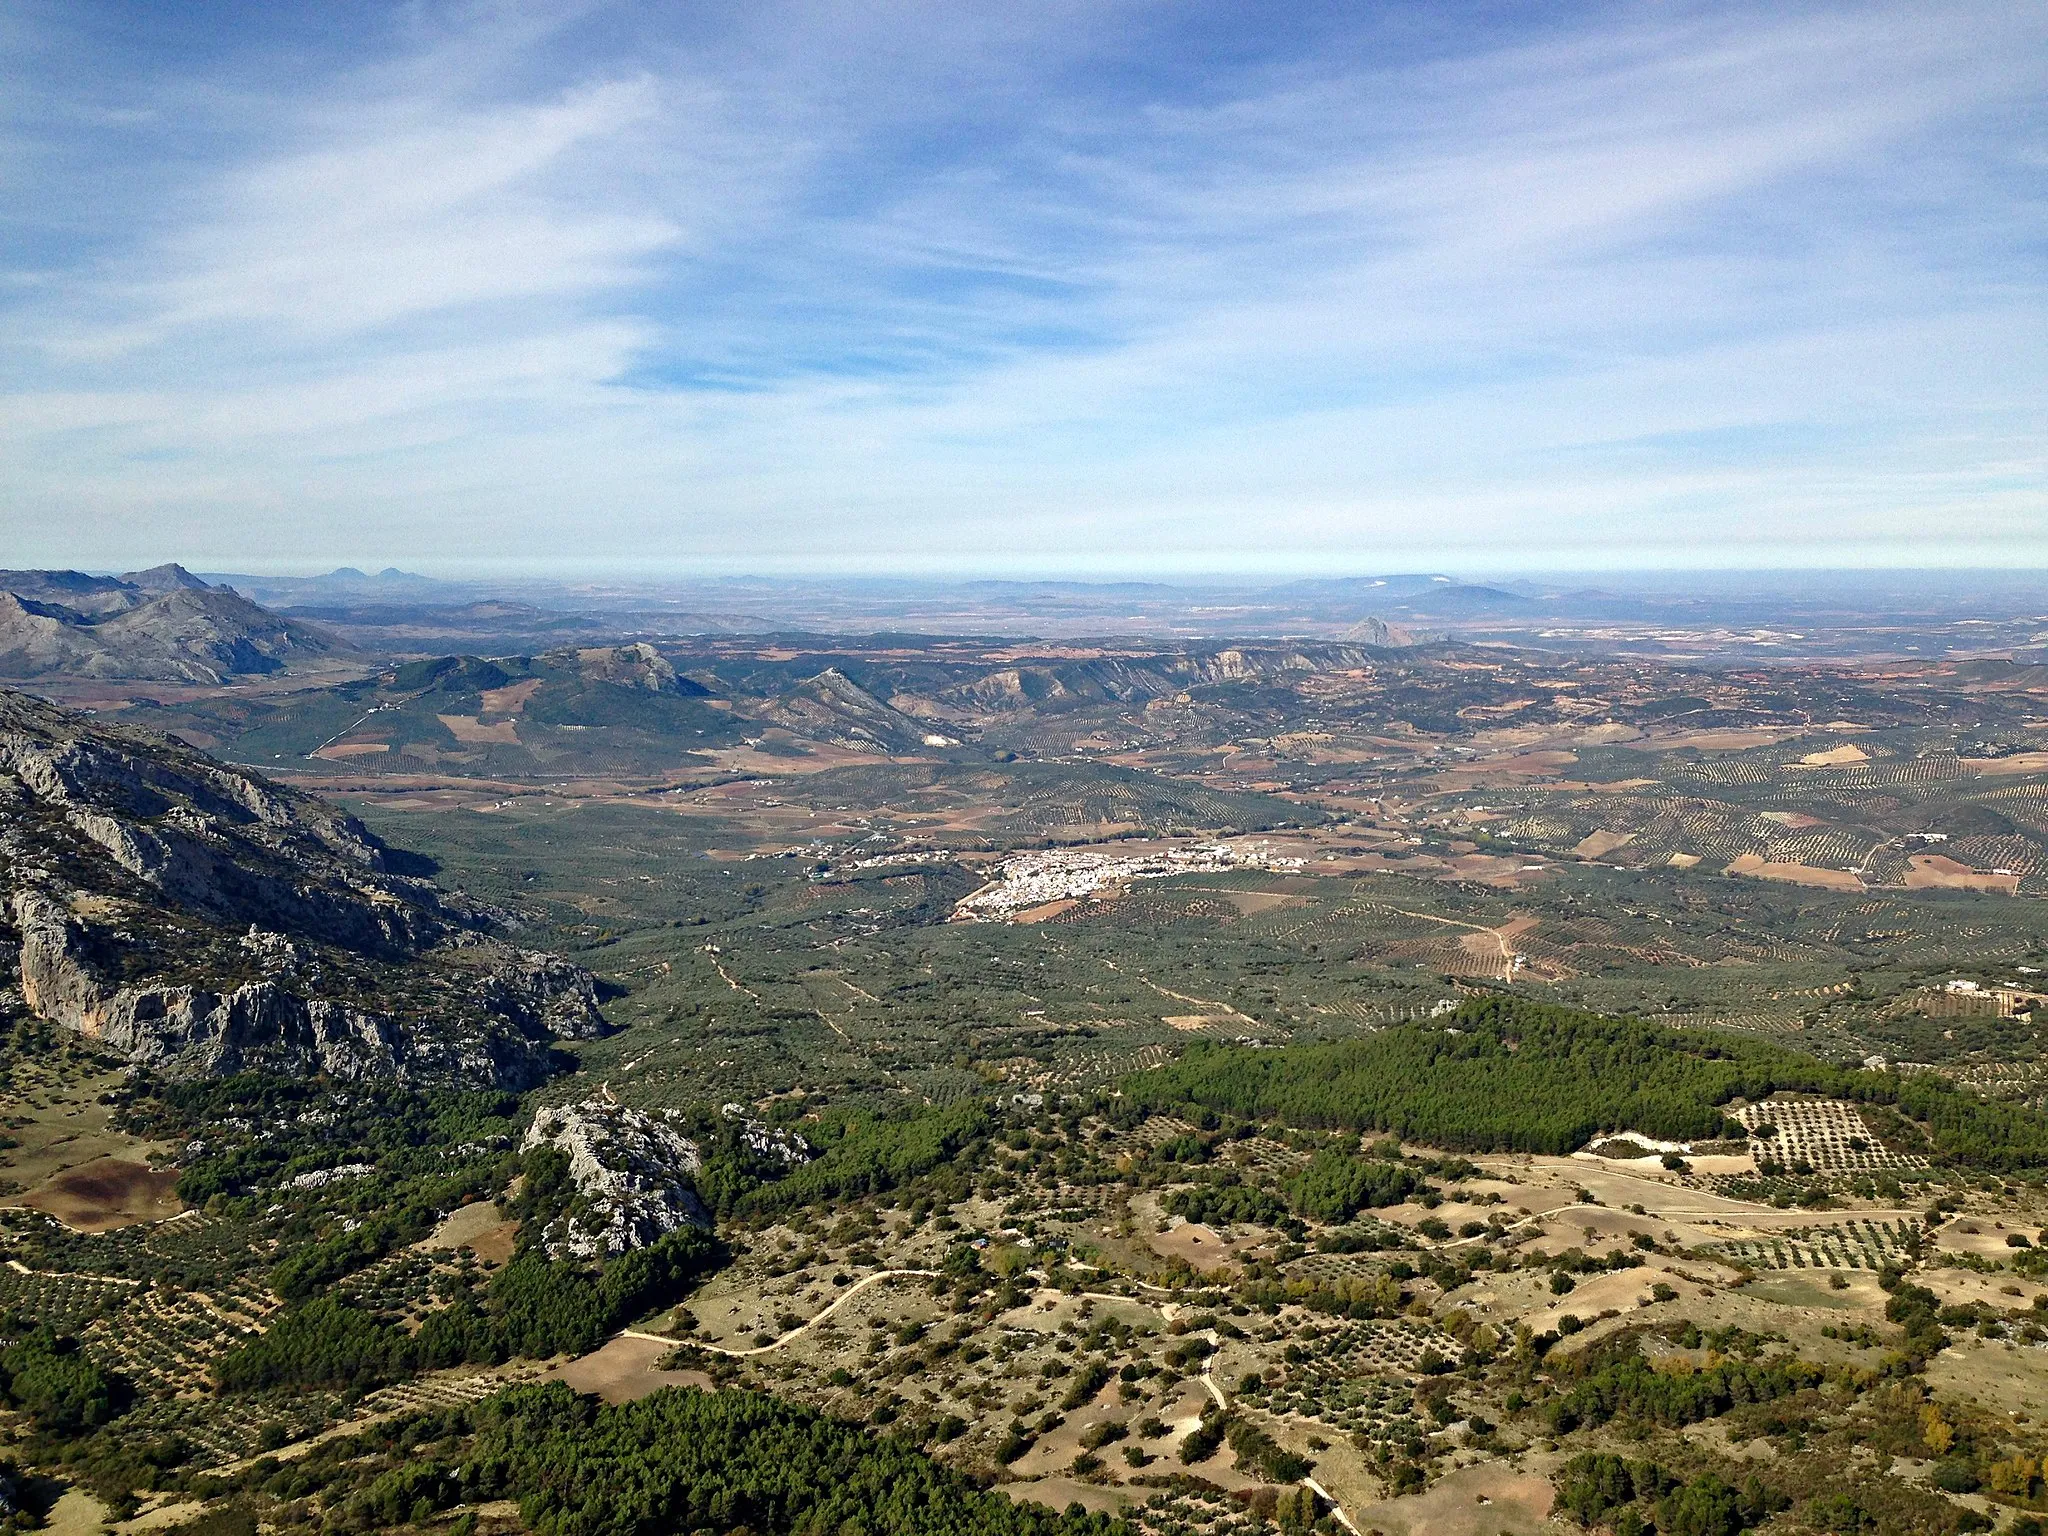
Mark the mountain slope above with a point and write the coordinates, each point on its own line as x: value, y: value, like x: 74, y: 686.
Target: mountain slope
x: 199, y: 920
x: 832, y: 707
x: 72, y: 589
x: 159, y: 625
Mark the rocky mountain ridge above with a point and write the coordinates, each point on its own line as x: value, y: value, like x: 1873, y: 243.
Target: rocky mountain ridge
x: 163, y: 624
x: 196, y: 919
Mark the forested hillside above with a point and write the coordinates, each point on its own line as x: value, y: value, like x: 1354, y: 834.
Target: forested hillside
x: 1505, y: 1074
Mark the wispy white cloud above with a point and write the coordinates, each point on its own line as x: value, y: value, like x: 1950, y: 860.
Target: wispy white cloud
x: 1057, y: 288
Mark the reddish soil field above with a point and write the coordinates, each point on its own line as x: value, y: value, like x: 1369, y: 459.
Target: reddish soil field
x: 107, y: 1194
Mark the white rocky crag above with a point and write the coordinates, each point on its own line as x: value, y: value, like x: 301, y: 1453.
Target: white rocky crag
x: 633, y: 1170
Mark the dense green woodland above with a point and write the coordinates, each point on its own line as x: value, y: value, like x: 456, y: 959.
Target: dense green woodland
x: 1633, y: 1497
x: 50, y: 1379
x: 862, y: 1155
x: 1504, y: 1074
x: 1619, y: 1383
x: 686, y: 1460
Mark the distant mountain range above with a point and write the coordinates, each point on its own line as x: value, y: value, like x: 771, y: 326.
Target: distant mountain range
x: 1405, y: 596
x: 643, y: 710
x: 159, y: 625
x: 167, y: 624
x: 345, y: 584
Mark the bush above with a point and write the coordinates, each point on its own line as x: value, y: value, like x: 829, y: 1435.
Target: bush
x: 1201, y: 1442
x: 1955, y: 1474
x: 1093, y: 1378
x: 1262, y: 1456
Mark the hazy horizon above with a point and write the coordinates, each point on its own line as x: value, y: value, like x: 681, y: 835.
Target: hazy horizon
x: 559, y: 572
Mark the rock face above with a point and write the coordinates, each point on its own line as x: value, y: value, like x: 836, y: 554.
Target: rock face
x: 163, y: 624
x: 1050, y: 687
x: 638, y: 665
x: 633, y: 1171
x: 198, y: 920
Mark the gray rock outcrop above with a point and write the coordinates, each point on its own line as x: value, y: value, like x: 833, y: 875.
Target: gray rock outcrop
x: 634, y: 1175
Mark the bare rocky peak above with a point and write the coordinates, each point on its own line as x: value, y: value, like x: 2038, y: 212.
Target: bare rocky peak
x: 170, y: 577
x: 638, y: 665
x: 197, y: 919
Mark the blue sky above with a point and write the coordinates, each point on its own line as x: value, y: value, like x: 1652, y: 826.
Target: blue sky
x: 1085, y: 288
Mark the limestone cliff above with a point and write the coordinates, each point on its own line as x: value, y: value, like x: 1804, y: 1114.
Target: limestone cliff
x: 196, y: 919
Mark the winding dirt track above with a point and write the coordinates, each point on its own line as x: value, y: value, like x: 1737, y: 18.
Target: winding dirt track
x: 798, y: 1331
